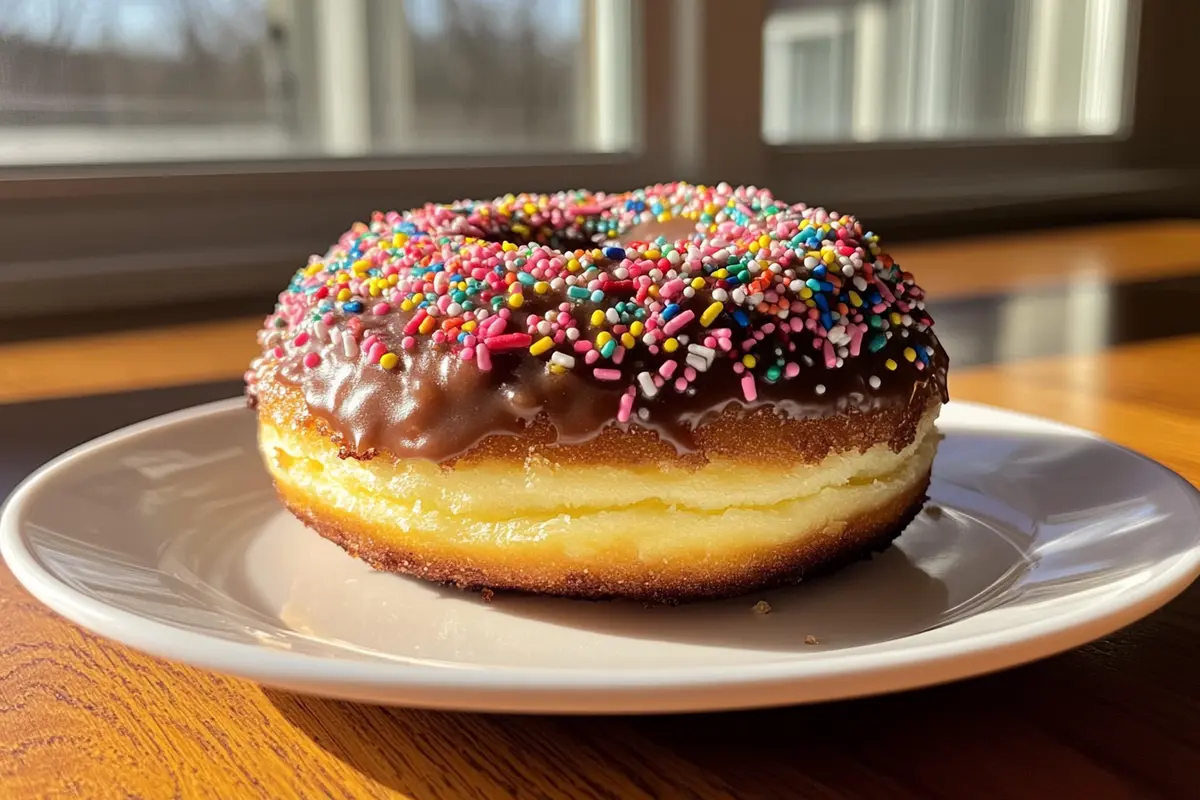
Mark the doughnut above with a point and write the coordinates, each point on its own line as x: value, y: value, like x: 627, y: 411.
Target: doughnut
x: 668, y: 394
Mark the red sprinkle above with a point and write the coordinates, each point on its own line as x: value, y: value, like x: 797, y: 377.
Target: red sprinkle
x: 508, y: 341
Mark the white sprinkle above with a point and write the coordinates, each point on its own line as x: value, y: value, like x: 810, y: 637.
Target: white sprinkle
x: 699, y: 362
x: 754, y: 267
x: 860, y: 283
x: 562, y: 359
x: 349, y: 346
x: 928, y: 350
x: 643, y: 413
x: 874, y: 381
x: 321, y: 331
x: 706, y: 353
x: 674, y: 257
x: 848, y: 270
x: 612, y: 316
x: 739, y: 295
x: 720, y: 295
x: 558, y: 284
x: 572, y: 333
x: 811, y: 261
x: 796, y: 285
x: 754, y: 299
x: 808, y: 362
x: 649, y: 339
x: 775, y: 269
x: 544, y: 328
x: 645, y: 380
x: 820, y: 388
x: 689, y: 291
x: 454, y: 309
x: 620, y: 273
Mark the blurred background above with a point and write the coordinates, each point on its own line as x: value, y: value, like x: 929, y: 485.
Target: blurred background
x: 178, y: 150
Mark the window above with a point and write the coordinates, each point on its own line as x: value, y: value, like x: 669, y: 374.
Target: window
x: 872, y: 70
x: 142, y: 80
x: 186, y: 149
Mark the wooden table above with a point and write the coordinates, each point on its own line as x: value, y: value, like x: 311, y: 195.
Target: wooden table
x: 1119, y: 718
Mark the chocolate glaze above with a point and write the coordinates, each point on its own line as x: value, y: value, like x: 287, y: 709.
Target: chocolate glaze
x: 436, y: 406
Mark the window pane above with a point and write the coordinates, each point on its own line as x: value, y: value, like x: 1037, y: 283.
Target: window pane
x: 867, y: 70
x: 136, y: 80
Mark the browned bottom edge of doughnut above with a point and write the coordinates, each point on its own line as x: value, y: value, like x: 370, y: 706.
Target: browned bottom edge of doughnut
x: 862, y: 536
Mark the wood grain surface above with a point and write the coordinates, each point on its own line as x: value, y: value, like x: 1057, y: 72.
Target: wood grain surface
x: 80, y: 717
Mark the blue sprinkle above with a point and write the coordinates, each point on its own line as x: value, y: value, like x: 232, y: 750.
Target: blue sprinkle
x: 597, y: 296
x: 821, y: 302
x: 819, y: 270
x: 813, y: 284
x: 732, y: 281
x: 670, y: 311
x: 826, y: 320
x: 352, y: 307
x: 614, y: 253
x: 740, y: 318
x: 526, y: 278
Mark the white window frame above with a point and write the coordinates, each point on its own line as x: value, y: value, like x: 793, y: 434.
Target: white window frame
x: 163, y: 233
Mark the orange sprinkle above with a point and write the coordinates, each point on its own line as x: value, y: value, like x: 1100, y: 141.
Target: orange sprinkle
x: 453, y: 322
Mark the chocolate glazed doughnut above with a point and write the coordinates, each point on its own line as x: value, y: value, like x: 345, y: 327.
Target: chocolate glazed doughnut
x: 673, y: 393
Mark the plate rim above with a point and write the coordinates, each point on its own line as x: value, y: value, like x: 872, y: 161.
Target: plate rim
x: 913, y: 666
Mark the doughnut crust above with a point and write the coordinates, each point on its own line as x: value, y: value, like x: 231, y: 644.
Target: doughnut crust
x: 676, y: 393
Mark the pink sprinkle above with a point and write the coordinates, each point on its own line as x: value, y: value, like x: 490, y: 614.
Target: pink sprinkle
x: 710, y: 341
x: 591, y: 356
x: 748, y: 388
x: 328, y: 319
x: 830, y: 357
x: 508, y: 341
x: 680, y: 384
x: 689, y: 373
x: 408, y: 342
x: 415, y: 322
x: 380, y: 309
x: 856, y: 334
x: 312, y: 360
x: 668, y: 368
x: 375, y: 352
x: 369, y: 342
x: 724, y: 344
x: 278, y: 351
x: 618, y: 355
x: 738, y: 368
x: 582, y: 346
x: 607, y: 374
x: 467, y: 353
x: 678, y: 321
x: 671, y: 287
x: 791, y: 370
x: 300, y: 340
x: 625, y: 407
x: 483, y: 357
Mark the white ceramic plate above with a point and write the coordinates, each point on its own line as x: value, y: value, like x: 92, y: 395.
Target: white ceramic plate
x: 166, y: 536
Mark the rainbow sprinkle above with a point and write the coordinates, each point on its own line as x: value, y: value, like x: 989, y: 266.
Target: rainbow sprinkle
x: 760, y: 288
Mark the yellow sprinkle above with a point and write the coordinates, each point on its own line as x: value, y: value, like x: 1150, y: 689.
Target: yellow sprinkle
x: 362, y: 265
x: 749, y: 361
x: 427, y: 325
x: 557, y: 369
x: 389, y: 360
x: 910, y: 354
x: 399, y: 240
x: 754, y: 247
x: 573, y: 265
x: 711, y: 208
x: 603, y: 338
x: 343, y: 295
x: 711, y: 313
x: 393, y: 280
x: 313, y: 269
x: 406, y: 305
x: 663, y: 217
x: 655, y: 254
x: 890, y: 363
x: 541, y: 345
x: 697, y: 283
x: 469, y: 325
x: 375, y: 290
x: 828, y: 256
x: 530, y: 208
x: 855, y: 300
x: 462, y: 285
x: 721, y: 273
x: 508, y: 246
x: 805, y: 293
x: 764, y: 241
x: 418, y: 298
x: 896, y: 318
x: 521, y: 229
x: 653, y: 291
x: 627, y: 340
x: 636, y: 327
x: 597, y: 318
x: 671, y: 345
x: 541, y: 287
x: 515, y: 301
